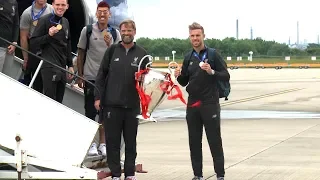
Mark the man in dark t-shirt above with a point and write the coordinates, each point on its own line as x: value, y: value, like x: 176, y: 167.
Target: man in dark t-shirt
x: 52, y: 35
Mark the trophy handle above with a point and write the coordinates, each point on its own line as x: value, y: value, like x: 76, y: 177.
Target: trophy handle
x: 142, y: 59
x: 171, y: 65
x: 149, y: 63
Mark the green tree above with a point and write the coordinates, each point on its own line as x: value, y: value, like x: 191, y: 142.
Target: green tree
x: 227, y: 47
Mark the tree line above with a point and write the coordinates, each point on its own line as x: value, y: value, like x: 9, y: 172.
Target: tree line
x: 227, y: 47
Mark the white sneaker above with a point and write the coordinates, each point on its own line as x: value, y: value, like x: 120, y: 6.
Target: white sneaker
x: 93, y: 151
x: 116, y: 178
x: 131, y: 178
x: 102, y: 149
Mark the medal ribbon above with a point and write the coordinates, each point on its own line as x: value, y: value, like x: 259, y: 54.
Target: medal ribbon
x: 108, y: 28
x: 51, y: 19
x: 36, y: 17
x: 198, y: 57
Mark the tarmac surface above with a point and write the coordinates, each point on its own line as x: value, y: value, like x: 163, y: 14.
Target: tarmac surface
x: 270, y: 130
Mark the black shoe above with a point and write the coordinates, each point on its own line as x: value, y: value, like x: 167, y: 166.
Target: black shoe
x: 197, y: 178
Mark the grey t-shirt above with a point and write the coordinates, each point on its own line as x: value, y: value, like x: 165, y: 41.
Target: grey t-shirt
x: 95, y: 53
x: 26, y: 21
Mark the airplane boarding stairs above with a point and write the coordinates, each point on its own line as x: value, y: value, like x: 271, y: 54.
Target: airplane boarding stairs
x: 74, y: 99
x: 36, y: 130
x: 55, y: 137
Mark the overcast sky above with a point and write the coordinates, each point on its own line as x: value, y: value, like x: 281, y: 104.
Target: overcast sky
x: 270, y: 20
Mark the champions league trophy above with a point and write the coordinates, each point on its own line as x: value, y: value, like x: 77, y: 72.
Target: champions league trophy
x: 154, y: 87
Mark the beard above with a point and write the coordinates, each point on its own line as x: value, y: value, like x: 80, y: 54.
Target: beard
x: 127, y: 39
x: 197, y: 44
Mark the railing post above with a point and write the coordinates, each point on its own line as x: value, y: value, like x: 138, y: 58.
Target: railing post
x: 35, y: 74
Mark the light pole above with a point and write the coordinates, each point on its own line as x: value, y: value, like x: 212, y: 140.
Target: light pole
x: 250, y: 58
x: 173, y: 52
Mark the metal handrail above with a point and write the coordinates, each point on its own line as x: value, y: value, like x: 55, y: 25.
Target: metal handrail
x: 35, y: 74
x: 19, y: 59
x: 74, y: 54
x: 53, y: 64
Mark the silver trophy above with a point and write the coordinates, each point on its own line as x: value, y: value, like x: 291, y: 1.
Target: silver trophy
x: 153, y: 84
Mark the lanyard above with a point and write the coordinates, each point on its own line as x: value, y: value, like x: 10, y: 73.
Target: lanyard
x: 51, y: 19
x: 198, y: 57
x: 108, y: 28
x: 36, y: 17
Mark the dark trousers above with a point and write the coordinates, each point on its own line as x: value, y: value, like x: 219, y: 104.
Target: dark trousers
x: 37, y: 84
x: 90, y: 110
x: 32, y: 66
x: 118, y: 120
x: 54, y: 83
x: 209, y: 117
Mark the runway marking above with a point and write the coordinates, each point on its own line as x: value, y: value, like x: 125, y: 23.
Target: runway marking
x: 260, y: 96
x: 265, y: 149
x: 234, y: 102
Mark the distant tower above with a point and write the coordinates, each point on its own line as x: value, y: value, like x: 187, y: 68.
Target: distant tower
x: 298, y: 33
x: 237, y: 29
x: 289, y: 41
x: 251, y: 34
x: 318, y: 40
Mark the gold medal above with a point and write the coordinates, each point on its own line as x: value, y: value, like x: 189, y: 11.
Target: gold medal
x: 59, y: 26
x: 104, y: 33
x: 35, y: 23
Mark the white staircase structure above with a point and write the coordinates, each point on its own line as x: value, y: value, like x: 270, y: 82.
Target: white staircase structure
x: 37, y: 133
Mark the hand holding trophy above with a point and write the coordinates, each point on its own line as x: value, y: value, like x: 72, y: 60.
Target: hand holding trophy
x: 174, y: 70
x: 154, y: 86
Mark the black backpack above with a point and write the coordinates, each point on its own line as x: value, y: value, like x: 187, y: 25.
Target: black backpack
x: 89, y: 32
x: 223, y: 86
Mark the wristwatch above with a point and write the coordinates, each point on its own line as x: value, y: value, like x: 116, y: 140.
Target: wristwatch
x: 212, y: 72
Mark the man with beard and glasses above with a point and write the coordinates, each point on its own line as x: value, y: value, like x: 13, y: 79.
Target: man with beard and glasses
x: 120, y: 100
x: 29, y: 20
x: 52, y: 37
x: 93, y: 42
x: 200, y: 72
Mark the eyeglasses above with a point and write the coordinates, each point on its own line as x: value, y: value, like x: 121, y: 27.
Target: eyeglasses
x: 104, y: 12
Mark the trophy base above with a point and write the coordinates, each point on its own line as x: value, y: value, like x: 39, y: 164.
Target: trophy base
x: 143, y: 120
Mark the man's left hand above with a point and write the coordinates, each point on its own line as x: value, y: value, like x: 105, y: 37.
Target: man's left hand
x: 70, y: 76
x: 11, y: 49
x: 206, y: 66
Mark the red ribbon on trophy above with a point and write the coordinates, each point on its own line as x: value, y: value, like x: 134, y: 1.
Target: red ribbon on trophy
x: 168, y: 86
x: 144, y: 98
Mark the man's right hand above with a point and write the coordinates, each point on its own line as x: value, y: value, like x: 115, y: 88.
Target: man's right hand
x: 107, y: 39
x: 97, y: 105
x: 53, y: 30
x: 80, y: 83
x: 177, y: 72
